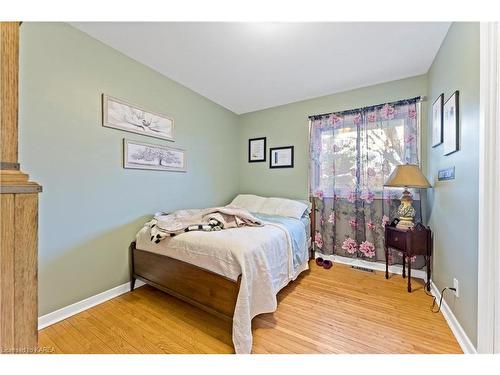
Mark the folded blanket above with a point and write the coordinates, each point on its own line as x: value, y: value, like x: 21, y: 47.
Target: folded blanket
x: 209, y: 219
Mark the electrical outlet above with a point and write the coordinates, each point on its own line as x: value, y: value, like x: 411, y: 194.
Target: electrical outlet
x: 455, y: 285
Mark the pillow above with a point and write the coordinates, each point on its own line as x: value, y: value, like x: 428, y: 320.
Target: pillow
x: 308, y: 204
x: 283, y: 207
x: 252, y: 203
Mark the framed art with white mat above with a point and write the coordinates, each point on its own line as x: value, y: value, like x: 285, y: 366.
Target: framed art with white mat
x: 451, y: 124
x: 257, y: 150
x: 437, y: 121
x: 281, y: 157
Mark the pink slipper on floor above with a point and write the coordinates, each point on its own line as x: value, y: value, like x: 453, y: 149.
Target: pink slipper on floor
x: 319, y: 262
x: 327, y: 264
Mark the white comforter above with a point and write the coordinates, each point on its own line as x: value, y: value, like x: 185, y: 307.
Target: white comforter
x: 262, y: 255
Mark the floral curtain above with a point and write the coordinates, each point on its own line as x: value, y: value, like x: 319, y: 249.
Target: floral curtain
x: 352, y: 155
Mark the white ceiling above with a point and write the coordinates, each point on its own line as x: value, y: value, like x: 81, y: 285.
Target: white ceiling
x: 251, y: 66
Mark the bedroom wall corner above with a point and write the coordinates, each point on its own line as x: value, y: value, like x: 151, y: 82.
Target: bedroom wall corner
x: 288, y: 125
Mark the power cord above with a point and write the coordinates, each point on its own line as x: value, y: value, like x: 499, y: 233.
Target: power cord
x: 434, y: 297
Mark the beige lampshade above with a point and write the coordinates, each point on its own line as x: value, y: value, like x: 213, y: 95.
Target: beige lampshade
x: 407, y: 175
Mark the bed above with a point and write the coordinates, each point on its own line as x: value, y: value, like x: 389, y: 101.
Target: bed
x: 235, y: 273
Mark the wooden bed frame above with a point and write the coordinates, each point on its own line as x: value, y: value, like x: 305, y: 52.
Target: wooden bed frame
x: 204, y: 289
x: 207, y: 290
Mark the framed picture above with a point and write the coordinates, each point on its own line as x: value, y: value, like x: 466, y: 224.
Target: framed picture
x: 256, y: 150
x: 139, y: 155
x: 121, y: 115
x: 281, y: 157
x: 451, y: 124
x: 437, y: 121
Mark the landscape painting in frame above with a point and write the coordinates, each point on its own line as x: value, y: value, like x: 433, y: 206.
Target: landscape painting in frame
x: 120, y: 115
x: 139, y: 155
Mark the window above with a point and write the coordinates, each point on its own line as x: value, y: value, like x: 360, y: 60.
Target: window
x: 356, y: 151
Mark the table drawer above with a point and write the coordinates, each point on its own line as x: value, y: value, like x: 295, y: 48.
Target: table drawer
x: 396, y: 240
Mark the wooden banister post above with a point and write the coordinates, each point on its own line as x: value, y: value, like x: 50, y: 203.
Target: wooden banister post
x: 19, y: 214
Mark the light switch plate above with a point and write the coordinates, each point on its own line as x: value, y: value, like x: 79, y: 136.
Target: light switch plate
x: 446, y: 174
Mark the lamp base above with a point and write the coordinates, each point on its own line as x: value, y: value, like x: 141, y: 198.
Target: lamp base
x: 405, y: 224
x: 406, y: 212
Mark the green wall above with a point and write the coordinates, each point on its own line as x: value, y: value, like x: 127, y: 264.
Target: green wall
x: 453, y: 205
x: 91, y: 207
x: 289, y: 125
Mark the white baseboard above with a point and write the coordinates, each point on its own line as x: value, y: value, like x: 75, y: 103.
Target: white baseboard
x: 75, y: 308
x: 456, y: 328
x: 377, y: 266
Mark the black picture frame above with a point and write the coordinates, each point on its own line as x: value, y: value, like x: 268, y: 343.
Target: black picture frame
x: 438, y: 104
x: 250, y: 160
x: 281, y: 148
x: 451, y: 125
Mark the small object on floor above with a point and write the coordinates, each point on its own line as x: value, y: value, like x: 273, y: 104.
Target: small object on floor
x: 327, y: 264
x: 319, y: 262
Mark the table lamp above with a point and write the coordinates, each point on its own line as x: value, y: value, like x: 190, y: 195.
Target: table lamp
x: 407, y: 176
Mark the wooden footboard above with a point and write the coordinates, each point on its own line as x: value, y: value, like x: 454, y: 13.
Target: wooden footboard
x: 204, y: 289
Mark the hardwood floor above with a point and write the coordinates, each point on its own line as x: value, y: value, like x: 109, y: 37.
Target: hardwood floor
x: 339, y: 310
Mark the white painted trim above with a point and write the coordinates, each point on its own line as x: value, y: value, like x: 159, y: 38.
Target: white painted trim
x: 377, y: 266
x: 459, y: 333
x: 75, y: 308
x: 488, y: 319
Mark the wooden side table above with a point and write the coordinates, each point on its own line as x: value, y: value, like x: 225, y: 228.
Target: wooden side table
x: 410, y: 242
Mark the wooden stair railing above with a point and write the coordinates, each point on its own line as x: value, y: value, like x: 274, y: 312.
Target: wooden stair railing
x: 19, y: 214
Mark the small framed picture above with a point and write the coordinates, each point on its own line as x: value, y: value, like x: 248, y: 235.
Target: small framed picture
x: 257, y: 150
x: 451, y: 124
x: 281, y: 157
x: 140, y: 155
x: 437, y: 121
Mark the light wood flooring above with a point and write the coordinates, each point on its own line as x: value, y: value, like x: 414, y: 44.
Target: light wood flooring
x: 340, y: 310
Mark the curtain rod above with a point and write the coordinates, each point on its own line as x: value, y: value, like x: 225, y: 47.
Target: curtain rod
x: 416, y: 99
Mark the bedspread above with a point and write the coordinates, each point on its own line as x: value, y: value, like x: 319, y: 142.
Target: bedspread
x: 265, y: 270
